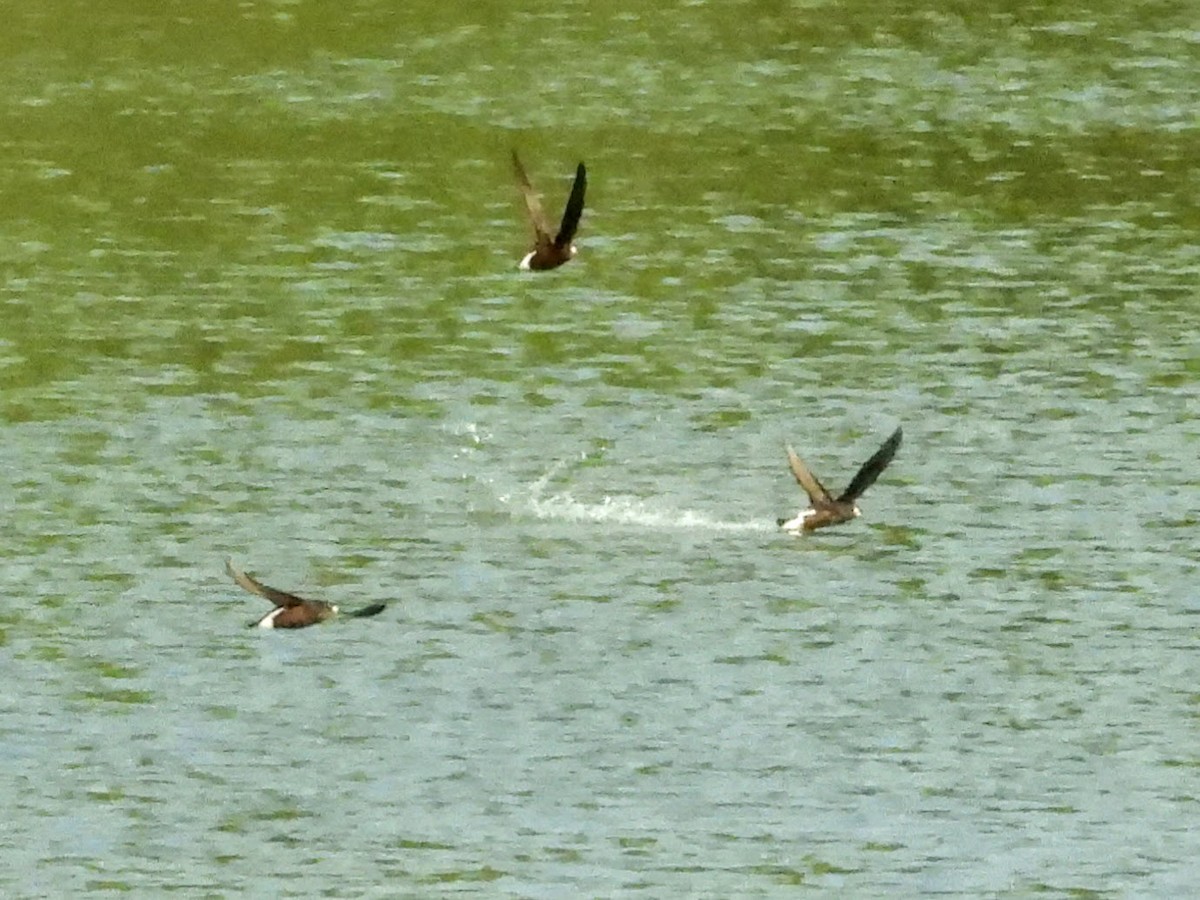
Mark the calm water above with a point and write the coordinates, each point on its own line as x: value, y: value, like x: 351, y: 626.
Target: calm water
x: 258, y: 299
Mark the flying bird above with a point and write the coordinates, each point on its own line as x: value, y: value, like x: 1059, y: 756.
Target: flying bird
x: 291, y: 611
x: 824, y: 508
x: 550, y: 250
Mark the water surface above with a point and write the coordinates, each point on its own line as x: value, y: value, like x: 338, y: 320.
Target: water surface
x: 259, y: 300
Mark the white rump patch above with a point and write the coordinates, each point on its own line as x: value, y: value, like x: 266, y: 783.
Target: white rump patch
x: 268, y: 621
x: 525, y: 262
x: 796, y: 525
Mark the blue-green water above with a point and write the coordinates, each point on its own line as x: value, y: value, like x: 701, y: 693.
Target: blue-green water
x: 259, y: 299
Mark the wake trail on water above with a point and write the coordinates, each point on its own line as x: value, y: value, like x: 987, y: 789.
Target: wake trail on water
x: 634, y: 511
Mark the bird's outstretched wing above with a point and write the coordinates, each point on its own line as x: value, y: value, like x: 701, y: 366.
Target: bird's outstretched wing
x: 574, y: 210
x: 533, y: 205
x: 872, y: 468
x: 254, y: 586
x: 806, y: 479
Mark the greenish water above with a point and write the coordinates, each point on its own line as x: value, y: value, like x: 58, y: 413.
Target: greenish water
x: 259, y: 298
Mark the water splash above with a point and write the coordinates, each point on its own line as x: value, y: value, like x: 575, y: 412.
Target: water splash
x: 626, y: 511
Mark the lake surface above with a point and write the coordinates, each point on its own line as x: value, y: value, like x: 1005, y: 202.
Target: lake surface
x: 259, y: 299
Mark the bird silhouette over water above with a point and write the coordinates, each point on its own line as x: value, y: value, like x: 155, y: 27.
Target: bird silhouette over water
x: 825, y: 509
x: 550, y: 250
x: 290, y: 610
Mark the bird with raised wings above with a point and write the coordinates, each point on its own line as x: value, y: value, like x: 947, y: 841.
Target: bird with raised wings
x: 550, y: 249
x: 825, y: 509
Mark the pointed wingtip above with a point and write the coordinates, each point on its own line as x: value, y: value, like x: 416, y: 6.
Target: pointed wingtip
x: 239, y: 576
x: 519, y: 170
x: 791, y: 456
x: 809, y: 482
x: 794, y: 461
x: 581, y: 183
x: 573, y: 211
x: 869, y: 471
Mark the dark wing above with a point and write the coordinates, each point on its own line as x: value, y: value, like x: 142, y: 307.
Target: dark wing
x: 254, y: 586
x: 806, y: 479
x: 574, y: 210
x: 373, y: 610
x: 871, y: 469
x: 533, y: 205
